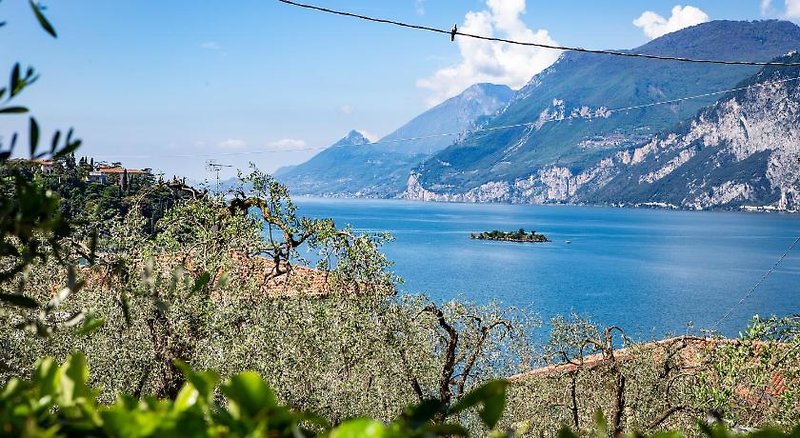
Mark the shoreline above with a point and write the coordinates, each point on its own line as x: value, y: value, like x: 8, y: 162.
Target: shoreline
x: 750, y: 209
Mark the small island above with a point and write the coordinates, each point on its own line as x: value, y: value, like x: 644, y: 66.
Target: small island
x: 513, y: 236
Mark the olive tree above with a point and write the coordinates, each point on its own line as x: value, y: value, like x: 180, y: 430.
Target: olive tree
x: 586, y: 369
x: 753, y: 381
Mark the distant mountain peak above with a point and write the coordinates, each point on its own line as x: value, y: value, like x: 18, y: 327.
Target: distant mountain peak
x: 381, y: 170
x: 353, y: 138
x: 484, y: 87
x: 484, y: 91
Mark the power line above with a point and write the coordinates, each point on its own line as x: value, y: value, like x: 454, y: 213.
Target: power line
x: 607, y: 112
x: 210, y: 154
x: 533, y: 44
x: 713, y: 93
x: 757, y: 285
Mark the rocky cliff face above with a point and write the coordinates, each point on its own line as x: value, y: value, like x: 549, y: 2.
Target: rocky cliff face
x: 742, y: 151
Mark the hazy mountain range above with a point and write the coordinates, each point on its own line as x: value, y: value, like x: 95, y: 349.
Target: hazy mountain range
x: 354, y: 167
x: 583, y: 143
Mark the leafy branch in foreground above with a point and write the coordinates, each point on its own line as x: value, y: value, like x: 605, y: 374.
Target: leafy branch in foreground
x: 57, y: 401
x: 31, y: 225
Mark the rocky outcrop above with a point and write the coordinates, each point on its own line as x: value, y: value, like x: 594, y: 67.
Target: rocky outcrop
x: 490, y: 192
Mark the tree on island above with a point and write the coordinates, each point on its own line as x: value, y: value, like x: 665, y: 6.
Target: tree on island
x: 514, y: 236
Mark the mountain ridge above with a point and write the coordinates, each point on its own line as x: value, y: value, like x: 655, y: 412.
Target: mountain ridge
x: 380, y: 169
x: 483, y: 162
x: 741, y: 152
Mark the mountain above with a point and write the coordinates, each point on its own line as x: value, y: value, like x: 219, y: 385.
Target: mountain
x: 742, y: 151
x: 577, y: 116
x: 455, y: 115
x: 307, y: 178
x: 354, y: 167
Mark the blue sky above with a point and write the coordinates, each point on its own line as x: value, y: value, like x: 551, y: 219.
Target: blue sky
x: 169, y: 85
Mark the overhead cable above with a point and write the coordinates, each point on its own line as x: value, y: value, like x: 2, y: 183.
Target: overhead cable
x: 454, y: 32
x: 757, y: 284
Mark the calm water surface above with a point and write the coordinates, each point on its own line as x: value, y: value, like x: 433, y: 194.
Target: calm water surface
x: 651, y: 271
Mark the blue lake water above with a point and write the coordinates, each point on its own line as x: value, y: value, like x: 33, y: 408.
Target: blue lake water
x: 653, y: 272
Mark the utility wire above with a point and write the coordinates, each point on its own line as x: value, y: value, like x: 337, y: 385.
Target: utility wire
x: 532, y: 44
x: 608, y: 113
x: 713, y: 93
x: 757, y: 285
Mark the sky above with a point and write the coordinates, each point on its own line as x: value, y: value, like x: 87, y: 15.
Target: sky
x: 170, y: 85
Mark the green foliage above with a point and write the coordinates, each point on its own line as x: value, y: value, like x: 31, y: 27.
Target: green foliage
x: 188, y: 291
x: 85, y: 202
x: 747, y: 383
x: 492, y: 396
x: 31, y: 225
x: 166, y: 287
x: 755, y: 380
x: 513, y: 236
x: 352, y: 260
x: 57, y: 400
x: 37, y: 11
x: 336, y: 356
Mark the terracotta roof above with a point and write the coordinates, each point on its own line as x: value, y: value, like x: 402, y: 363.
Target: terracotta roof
x: 252, y: 270
x: 690, y: 351
x: 120, y: 170
x: 45, y: 162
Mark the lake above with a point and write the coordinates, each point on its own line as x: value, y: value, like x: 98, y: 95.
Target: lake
x: 653, y: 272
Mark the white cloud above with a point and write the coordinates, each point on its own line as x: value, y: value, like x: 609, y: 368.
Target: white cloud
x: 484, y: 61
x: 346, y: 110
x: 232, y: 143
x: 766, y: 8
x: 282, y: 145
x: 419, y: 6
x: 655, y: 25
x: 287, y: 145
x: 368, y: 135
x: 792, y: 8
x: 211, y: 45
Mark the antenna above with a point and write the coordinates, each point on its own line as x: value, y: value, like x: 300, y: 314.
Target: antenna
x: 213, y: 166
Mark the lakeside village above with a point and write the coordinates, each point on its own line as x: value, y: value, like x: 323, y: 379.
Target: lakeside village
x: 667, y: 206
x: 100, y: 173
